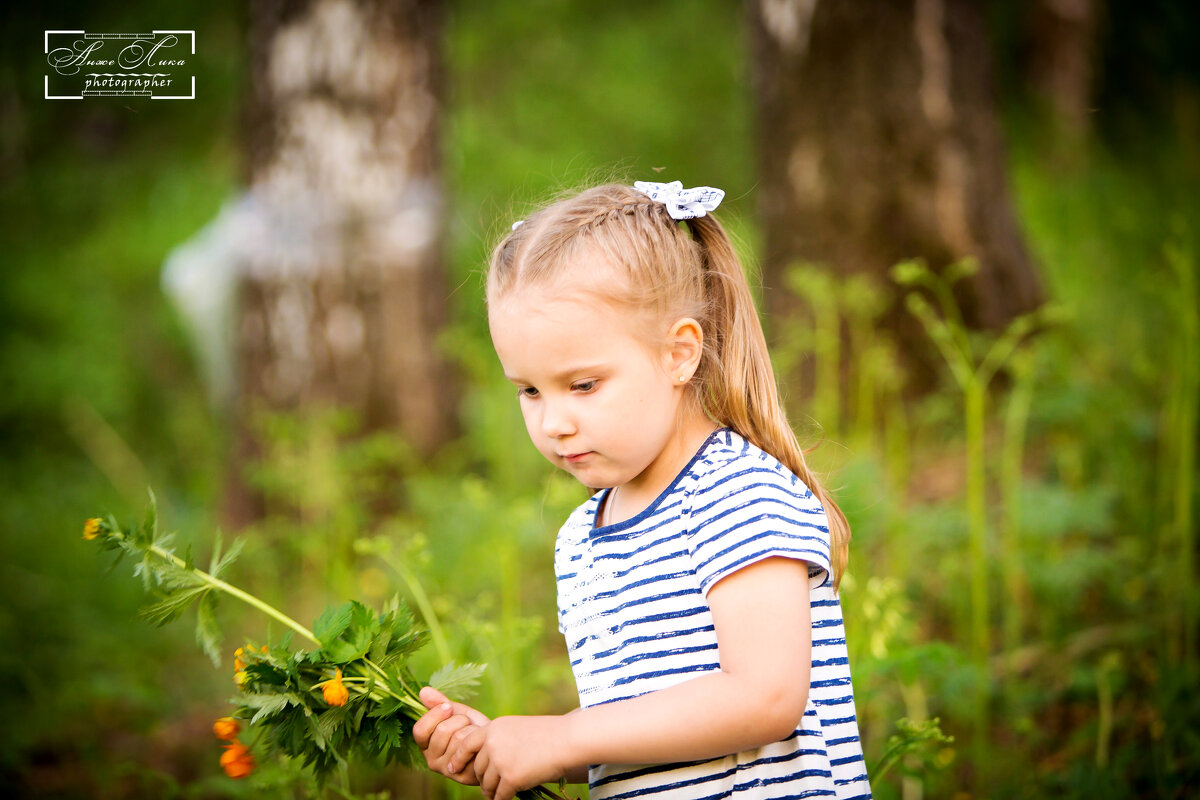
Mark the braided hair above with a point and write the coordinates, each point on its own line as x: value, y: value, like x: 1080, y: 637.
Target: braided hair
x: 643, y: 260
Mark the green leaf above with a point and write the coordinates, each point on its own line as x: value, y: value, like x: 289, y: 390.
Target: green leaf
x: 266, y: 705
x: 263, y: 673
x: 331, y: 722
x: 386, y: 707
x: 389, y: 736
x: 172, y: 605
x: 318, y: 737
x: 457, y: 679
x: 219, y: 562
x: 332, y: 622
x: 208, y: 632
x: 354, y: 637
x: 379, y: 645
x: 149, y: 529
x: 342, y: 652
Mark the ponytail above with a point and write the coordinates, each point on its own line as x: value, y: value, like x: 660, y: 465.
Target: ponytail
x: 668, y: 273
x: 737, y: 380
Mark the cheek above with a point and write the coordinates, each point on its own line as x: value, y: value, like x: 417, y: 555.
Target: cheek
x: 530, y: 416
x: 533, y: 427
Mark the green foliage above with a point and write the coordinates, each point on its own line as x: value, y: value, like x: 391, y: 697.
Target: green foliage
x: 913, y: 740
x: 457, y: 680
x: 351, y: 699
x: 103, y: 398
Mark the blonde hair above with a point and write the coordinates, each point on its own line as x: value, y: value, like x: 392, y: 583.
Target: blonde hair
x: 670, y: 274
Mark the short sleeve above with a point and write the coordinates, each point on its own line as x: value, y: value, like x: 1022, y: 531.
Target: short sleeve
x: 750, y: 509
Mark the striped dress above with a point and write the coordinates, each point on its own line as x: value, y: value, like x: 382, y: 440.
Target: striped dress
x: 632, y: 606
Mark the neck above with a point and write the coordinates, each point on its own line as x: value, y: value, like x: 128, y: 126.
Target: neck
x: 632, y: 498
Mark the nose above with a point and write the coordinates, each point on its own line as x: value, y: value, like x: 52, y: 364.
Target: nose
x: 556, y: 419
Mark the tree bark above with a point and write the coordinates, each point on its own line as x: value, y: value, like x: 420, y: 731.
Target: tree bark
x: 341, y: 289
x: 879, y: 141
x: 1061, y: 62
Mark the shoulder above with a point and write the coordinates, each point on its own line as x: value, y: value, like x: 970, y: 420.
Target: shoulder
x: 734, y: 469
x: 746, y: 506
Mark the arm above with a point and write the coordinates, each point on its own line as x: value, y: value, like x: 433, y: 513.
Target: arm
x: 762, y: 619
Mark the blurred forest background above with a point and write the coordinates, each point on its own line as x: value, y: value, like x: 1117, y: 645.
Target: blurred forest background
x: 1015, y: 445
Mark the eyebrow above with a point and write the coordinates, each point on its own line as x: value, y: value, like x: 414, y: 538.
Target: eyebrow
x: 564, y: 374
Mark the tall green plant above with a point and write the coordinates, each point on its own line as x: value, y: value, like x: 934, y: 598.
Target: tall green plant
x: 819, y: 289
x: 1012, y: 457
x: 973, y: 361
x: 1178, y: 440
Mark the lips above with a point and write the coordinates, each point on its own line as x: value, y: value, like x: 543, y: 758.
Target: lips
x: 575, y: 458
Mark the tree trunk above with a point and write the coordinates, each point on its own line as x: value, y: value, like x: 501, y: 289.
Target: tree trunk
x: 879, y: 141
x: 341, y: 291
x: 1061, y: 62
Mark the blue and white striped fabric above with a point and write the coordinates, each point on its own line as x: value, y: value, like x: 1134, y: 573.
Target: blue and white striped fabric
x: 632, y: 605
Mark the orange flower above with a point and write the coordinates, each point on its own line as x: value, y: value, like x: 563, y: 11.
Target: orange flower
x: 238, y: 664
x: 237, y: 760
x: 91, y: 528
x: 335, y: 691
x: 226, y: 728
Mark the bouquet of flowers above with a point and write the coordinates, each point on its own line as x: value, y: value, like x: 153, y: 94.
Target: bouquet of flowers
x: 350, y: 697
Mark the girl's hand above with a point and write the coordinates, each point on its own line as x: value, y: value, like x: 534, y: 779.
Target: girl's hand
x: 441, y: 733
x: 515, y: 753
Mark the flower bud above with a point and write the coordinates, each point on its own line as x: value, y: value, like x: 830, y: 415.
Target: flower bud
x: 237, y: 760
x: 91, y: 528
x: 335, y: 691
x: 226, y: 728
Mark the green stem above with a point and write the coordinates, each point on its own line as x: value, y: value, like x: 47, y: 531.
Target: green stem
x: 421, y: 598
x: 975, y: 396
x: 1186, y: 386
x: 234, y: 591
x: 1016, y: 420
x: 828, y: 338
x: 409, y: 698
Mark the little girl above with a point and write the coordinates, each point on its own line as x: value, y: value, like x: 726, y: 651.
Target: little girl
x: 697, y: 587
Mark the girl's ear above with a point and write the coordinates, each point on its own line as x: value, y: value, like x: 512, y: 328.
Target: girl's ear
x: 685, y: 345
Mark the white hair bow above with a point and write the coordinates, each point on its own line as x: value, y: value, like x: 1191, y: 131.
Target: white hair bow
x: 682, y: 203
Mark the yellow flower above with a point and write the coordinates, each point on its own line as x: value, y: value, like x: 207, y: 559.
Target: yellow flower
x: 226, y: 728
x: 335, y: 691
x: 240, y: 677
x: 91, y: 528
x: 237, y: 760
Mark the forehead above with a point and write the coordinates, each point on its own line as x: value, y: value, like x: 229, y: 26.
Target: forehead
x: 540, y: 331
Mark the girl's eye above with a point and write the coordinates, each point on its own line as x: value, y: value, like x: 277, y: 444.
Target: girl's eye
x: 527, y: 391
x: 584, y: 386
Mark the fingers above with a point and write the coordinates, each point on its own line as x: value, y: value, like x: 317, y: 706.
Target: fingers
x: 424, y: 727
x: 463, y: 745
x: 487, y: 771
x: 443, y: 743
x: 442, y: 749
x: 487, y: 783
x: 432, y: 698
